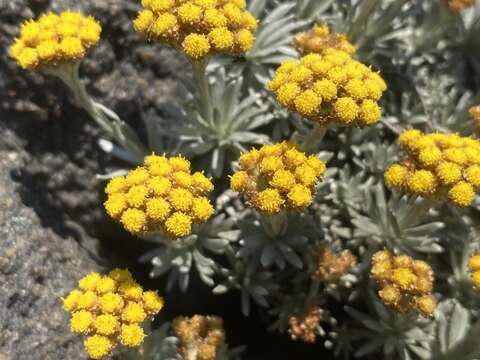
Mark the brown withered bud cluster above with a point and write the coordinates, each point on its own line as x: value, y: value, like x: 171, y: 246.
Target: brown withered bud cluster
x: 320, y: 38
x: 457, y: 6
x: 331, y: 267
x: 406, y: 284
x: 474, y: 113
x: 200, y: 336
x: 303, y: 327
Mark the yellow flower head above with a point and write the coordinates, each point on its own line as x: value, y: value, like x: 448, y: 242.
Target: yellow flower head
x: 330, y: 87
x: 53, y: 40
x: 162, y: 195
x: 443, y: 166
x: 113, y: 317
x: 406, y: 284
x: 278, y: 177
x: 319, y: 38
x: 198, y: 27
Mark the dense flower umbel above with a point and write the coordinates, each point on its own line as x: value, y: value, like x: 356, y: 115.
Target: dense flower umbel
x: 406, y: 284
x: 108, y: 309
x: 200, y: 336
x: 437, y: 165
x: 304, y: 327
x: 457, y: 6
x: 278, y: 177
x: 198, y: 27
x: 331, y: 267
x: 319, y: 39
x: 474, y: 266
x: 330, y: 87
x: 55, y: 39
x: 161, y: 195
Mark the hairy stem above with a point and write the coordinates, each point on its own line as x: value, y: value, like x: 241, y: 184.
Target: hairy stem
x: 314, y: 138
x: 203, y: 87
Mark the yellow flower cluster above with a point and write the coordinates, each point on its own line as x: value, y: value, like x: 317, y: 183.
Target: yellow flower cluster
x: 278, y: 176
x: 406, y: 283
x: 330, y: 87
x: 199, y: 337
x: 304, y: 327
x: 457, y: 6
x: 55, y: 39
x: 161, y: 195
x: 319, y: 39
x: 108, y: 309
x: 474, y: 265
x: 443, y: 166
x: 331, y: 267
x: 198, y: 27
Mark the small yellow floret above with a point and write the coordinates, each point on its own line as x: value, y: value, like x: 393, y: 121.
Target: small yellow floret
x: 346, y: 110
x: 87, y: 301
x: 115, y: 205
x: 370, y: 112
x: 422, y: 182
x: 287, y: 93
x: 159, y: 185
x: 221, y: 39
x: 152, y: 302
x: 90, y: 281
x: 106, y: 285
x: 131, y: 290
x: 196, y: 46
x: 214, y: 18
x: 238, y: 181
x: 179, y: 225
x: 244, y: 40
x: 403, y: 277
x: 474, y: 263
x: 116, y: 185
x: 120, y: 275
x: 408, y: 137
x: 131, y: 335
x: 164, y: 26
x: 396, y: 176
x: 306, y: 175
x: 270, y: 201
x: 106, y: 324
x: 472, y: 175
x: 189, y: 13
x: 139, y: 176
x: 307, y: 103
x: 426, y: 305
x: 430, y: 156
x: 202, y: 209
x: 181, y: 199
x: 133, y: 312
x: 182, y: 179
x: 158, y: 209
x: 300, y: 196
x: 97, y: 346
x: 448, y: 173
x: 111, y: 303
x: 455, y: 155
x: 201, y: 182
x: 476, y: 279
x: 179, y: 163
x: 283, y: 180
x: 134, y: 220
x: 71, y: 301
x: 270, y: 164
x: 461, y: 194
x: 72, y: 48
x: 326, y: 89
x: 81, y: 321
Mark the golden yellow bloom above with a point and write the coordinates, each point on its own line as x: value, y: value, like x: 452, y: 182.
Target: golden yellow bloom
x: 406, y: 284
x: 98, y: 347
x: 443, y: 166
x: 318, y: 39
x: 330, y: 87
x: 162, y: 195
x: 53, y: 40
x: 198, y: 27
x: 474, y: 263
x: 278, y: 177
x: 113, y: 317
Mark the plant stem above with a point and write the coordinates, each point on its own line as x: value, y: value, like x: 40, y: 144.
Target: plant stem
x: 201, y: 81
x: 274, y: 225
x: 315, y: 137
x: 108, y: 121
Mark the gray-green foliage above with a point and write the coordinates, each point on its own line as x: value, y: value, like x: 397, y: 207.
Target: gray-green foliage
x: 429, y: 58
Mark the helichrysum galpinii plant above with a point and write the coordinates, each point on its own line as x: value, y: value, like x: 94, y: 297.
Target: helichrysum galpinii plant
x: 438, y: 166
x: 330, y: 88
x: 109, y: 310
x: 162, y: 195
x: 278, y: 177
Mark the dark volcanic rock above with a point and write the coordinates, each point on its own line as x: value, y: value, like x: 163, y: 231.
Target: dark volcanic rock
x: 51, y: 211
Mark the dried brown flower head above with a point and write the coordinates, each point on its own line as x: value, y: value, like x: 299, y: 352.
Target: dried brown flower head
x: 331, y: 267
x: 320, y: 38
x: 200, y: 336
x: 303, y: 327
x: 474, y: 113
x: 457, y: 6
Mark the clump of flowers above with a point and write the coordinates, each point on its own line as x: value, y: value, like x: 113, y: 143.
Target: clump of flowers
x: 304, y: 327
x: 200, y: 336
x: 474, y: 266
x: 277, y: 177
x: 406, y: 284
x: 457, y: 6
x: 439, y: 166
x: 109, y: 310
x: 198, y: 27
x: 162, y: 195
x: 53, y: 40
x: 319, y: 39
x: 330, y: 88
x: 331, y: 267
